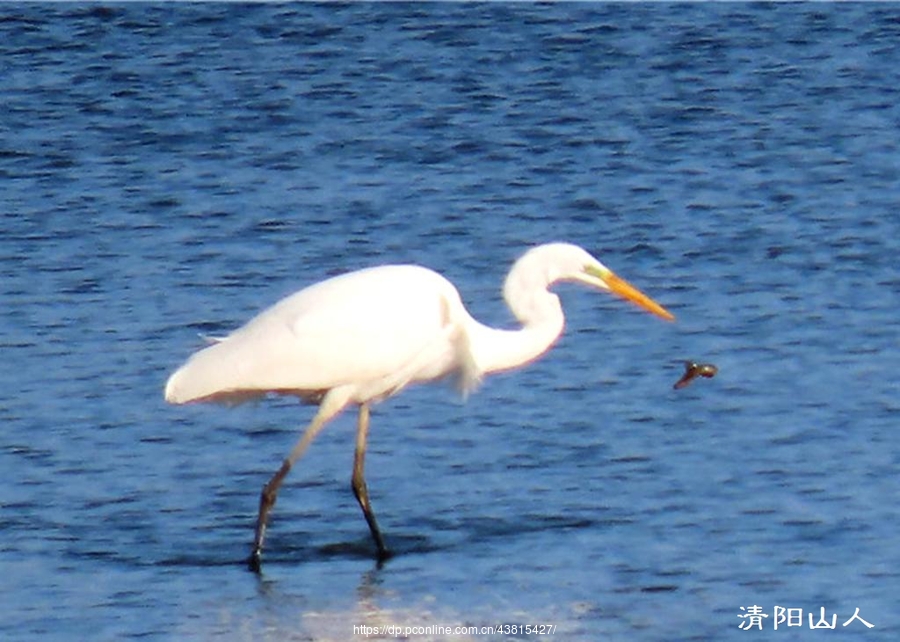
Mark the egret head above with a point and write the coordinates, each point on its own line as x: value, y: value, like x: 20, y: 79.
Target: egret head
x: 546, y: 264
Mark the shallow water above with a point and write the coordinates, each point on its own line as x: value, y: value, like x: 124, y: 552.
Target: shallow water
x: 169, y: 170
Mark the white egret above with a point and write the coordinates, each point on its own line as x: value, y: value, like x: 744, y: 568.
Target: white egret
x: 363, y: 336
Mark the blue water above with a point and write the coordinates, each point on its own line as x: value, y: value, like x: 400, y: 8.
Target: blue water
x: 169, y: 170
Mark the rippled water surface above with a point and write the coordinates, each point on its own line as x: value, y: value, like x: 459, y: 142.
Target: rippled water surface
x: 168, y: 170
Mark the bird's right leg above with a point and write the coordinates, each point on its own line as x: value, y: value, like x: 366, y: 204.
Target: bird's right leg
x: 331, y: 405
x: 358, y: 482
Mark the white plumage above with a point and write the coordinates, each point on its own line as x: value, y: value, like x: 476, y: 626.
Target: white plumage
x: 362, y: 336
x: 342, y: 332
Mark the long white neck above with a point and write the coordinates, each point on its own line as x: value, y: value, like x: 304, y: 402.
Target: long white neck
x: 496, y: 350
x: 538, y: 310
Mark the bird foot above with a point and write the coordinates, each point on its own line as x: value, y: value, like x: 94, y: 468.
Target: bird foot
x: 254, y: 562
x: 382, y: 556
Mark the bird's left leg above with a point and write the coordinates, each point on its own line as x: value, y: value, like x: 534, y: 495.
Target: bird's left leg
x: 333, y: 402
x: 359, y: 483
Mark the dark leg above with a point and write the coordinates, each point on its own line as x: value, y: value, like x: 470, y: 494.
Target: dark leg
x: 359, y: 483
x: 330, y: 406
x: 266, y: 502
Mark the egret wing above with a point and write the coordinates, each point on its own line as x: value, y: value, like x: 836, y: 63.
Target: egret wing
x: 376, y: 329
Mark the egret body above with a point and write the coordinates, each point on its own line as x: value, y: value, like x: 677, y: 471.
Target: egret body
x: 358, y: 338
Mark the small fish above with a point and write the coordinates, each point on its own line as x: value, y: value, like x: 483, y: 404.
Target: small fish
x: 693, y: 370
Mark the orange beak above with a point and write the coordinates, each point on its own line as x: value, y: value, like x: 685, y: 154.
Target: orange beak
x: 625, y: 290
